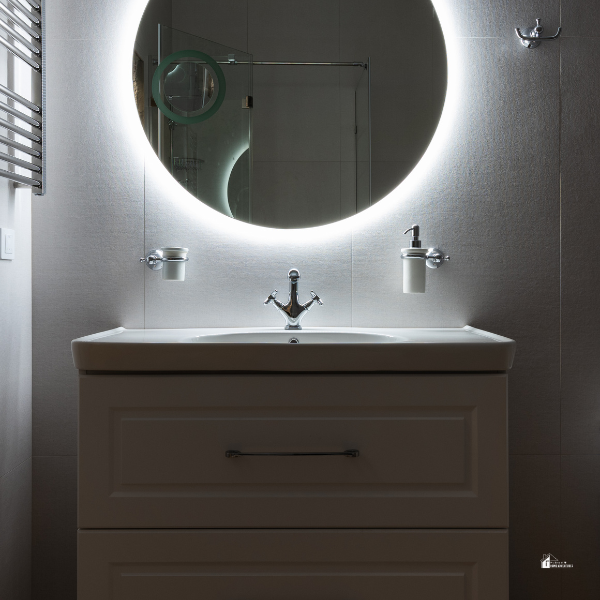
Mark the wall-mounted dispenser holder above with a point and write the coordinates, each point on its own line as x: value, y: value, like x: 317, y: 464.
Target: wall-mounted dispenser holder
x: 414, y: 260
x: 531, y: 37
x: 170, y: 260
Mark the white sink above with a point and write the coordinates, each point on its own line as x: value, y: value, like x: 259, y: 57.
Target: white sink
x: 335, y: 349
x: 304, y: 336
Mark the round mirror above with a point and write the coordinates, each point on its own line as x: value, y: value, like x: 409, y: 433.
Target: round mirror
x: 285, y: 114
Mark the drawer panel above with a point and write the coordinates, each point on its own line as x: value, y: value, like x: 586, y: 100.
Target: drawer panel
x: 401, y: 447
x: 431, y: 451
x: 294, y: 565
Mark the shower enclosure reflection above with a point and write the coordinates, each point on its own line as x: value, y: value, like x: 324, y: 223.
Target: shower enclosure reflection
x: 288, y: 142
x: 205, y: 108
x: 204, y: 129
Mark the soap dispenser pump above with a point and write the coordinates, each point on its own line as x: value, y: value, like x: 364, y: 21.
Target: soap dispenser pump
x: 414, y: 259
x: 415, y: 242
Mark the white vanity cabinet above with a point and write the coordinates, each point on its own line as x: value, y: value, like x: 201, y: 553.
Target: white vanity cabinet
x: 418, y: 509
x: 315, y: 564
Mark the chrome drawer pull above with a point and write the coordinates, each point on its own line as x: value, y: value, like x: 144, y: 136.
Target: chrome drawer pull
x: 346, y: 453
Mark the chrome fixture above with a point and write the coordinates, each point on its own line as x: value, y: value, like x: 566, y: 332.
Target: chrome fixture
x: 172, y: 258
x: 532, y: 36
x: 231, y: 60
x: 293, y: 312
x: 413, y: 268
x: 434, y: 258
x: 363, y: 65
x: 346, y: 453
x: 21, y: 34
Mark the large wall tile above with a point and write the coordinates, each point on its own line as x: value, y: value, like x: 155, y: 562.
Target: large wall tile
x: 353, y: 111
x: 54, y: 527
x: 471, y: 203
x: 580, y: 180
x: 224, y: 21
x: 301, y: 194
x: 580, y: 18
x: 580, y: 526
x: 296, y: 114
x: 101, y: 19
x: 402, y: 83
x: 363, y: 30
x: 87, y: 126
x: 472, y: 196
x: 498, y: 19
x: 304, y: 31
x: 233, y: 267
x: 348, y: 189
x: 15, y: 533
x: 15, y: 332
x: 534, y: 527
x: 91, y: 222
x: 15, y: 369
x: 386, y: 175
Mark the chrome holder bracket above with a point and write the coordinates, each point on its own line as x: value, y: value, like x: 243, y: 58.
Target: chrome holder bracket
x: 154, y: 259
x: 434, y: 258
x: 531, y: 37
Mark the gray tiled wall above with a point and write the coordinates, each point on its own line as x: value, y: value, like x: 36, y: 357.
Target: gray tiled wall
x: 15, y: 532
x: 512, y: 197
x: 580, y: 341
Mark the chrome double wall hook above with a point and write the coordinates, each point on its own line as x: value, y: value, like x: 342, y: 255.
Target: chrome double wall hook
x: 531, y: 37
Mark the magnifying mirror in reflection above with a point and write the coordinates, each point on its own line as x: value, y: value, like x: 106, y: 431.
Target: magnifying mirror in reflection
x: 189, y: 87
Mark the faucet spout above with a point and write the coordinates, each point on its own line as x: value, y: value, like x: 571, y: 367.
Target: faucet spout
x: 293, y: 312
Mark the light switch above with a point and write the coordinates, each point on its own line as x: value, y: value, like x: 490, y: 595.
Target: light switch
x: 7, y: 243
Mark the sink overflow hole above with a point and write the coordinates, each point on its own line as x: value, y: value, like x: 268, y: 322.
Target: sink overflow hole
x: 294, y: 341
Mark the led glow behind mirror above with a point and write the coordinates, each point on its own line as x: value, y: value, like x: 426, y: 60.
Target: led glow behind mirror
x: 292, y: 145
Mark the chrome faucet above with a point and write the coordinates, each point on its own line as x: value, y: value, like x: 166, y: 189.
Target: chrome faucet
x: 293, y: 312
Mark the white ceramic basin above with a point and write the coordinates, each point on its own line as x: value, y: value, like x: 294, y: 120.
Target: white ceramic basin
x: 335, y: 349
x: 304, y: 336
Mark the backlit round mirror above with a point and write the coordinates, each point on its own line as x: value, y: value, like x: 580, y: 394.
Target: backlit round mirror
x: 289, y: 114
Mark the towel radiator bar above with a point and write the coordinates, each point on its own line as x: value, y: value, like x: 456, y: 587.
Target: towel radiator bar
x: 22, y: 144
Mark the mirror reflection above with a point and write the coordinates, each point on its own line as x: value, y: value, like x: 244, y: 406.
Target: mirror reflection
x: 288, y: 114
x: 188, y: 87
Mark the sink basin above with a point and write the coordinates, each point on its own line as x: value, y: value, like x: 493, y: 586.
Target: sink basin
x: 304, y: 336
x: 326, y: 349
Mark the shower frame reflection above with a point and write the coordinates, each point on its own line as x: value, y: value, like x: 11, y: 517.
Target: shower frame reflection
x: 214, y: 160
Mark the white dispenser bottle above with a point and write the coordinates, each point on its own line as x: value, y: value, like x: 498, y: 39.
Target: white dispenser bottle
x: 413, y: 264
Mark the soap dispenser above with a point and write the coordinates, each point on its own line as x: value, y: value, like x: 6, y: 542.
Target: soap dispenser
x: 414, y: 261
x: 413, y: 264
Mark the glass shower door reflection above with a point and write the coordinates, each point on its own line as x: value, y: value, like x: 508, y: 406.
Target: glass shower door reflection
x: 362, y: 107
x: 203, y: 91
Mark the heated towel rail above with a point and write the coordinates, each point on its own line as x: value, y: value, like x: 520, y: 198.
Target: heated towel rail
x: 22, y: 120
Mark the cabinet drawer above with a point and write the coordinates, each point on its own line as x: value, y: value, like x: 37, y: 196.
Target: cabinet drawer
x: 154, y: 451
x: 293, y: 565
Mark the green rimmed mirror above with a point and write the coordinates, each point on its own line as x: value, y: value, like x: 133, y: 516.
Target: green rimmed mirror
x: 188, y: 87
